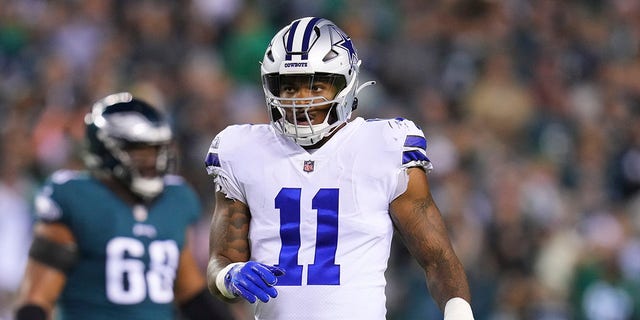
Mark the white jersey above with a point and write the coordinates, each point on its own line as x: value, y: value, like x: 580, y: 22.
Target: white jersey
x: 321, y: 216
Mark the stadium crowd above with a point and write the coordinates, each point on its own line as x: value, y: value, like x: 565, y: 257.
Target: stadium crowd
x: 531, y: 110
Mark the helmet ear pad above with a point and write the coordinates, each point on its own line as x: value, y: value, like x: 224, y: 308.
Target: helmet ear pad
x: 333, y: 114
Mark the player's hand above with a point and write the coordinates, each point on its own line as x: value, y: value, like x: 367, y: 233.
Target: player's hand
x: 253, y: 280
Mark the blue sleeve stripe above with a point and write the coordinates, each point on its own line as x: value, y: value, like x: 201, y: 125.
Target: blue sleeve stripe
x: 413, y: 155
x: 416, y: 142
x: 212, y: 160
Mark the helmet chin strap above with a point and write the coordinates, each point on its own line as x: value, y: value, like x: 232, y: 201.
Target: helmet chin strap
x: 145, y: 187
x: 148, y: 188
x: 304, y: 136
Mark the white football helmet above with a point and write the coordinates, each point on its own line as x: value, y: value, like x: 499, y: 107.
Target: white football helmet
x: 311, y: 47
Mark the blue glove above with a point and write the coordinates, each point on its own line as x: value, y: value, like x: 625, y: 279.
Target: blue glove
x: 252, y: 280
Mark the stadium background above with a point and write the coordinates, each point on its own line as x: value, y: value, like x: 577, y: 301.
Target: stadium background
x: 531, y: 109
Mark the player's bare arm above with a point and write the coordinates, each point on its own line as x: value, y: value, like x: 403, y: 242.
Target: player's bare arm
x: 228, y: 240
x: 44, y: 281
x: 230, y: 274
x: 419, y: 222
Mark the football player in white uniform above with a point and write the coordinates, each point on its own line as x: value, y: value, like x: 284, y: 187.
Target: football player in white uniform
x: 306, y: 207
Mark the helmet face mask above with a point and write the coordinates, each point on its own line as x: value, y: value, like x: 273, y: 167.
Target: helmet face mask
x: 118, y: 127
x: 317, y: 49
x: 304, y: 105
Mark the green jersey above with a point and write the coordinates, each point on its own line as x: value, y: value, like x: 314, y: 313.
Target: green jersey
x: 128, y: 254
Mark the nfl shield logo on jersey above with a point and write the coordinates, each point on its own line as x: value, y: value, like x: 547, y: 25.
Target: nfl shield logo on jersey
x: 308, y: 166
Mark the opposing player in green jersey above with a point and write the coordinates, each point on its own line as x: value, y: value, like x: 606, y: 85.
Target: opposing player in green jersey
x: 111, y: 242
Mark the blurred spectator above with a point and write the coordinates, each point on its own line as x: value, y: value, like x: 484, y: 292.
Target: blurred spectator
x: 16, y: 190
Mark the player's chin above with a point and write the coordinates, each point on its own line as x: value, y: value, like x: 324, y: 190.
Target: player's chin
x: 151, y: 174
x: 312, y: 121
x: 300, y: 122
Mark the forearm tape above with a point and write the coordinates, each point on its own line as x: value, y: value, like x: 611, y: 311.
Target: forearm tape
x: 458, y: 309
x: 56, y: 255
x: 204, y: 306
x: 220, y: 281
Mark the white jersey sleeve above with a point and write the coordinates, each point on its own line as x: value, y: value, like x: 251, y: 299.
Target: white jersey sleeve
x: 220, y: 169
x: 414, y: 149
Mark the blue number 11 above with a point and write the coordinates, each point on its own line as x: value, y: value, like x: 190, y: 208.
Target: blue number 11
x: 324, y: 270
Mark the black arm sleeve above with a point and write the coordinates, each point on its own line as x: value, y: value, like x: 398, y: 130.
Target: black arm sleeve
x: 31, y: 312
x: 60, y: 256
x: 204, y: 306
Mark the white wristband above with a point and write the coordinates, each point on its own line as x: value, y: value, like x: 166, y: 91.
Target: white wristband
x: 457, y: 309
x: 220, y: 280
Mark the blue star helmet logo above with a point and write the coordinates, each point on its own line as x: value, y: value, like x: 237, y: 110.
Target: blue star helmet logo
x: 345, y: 43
